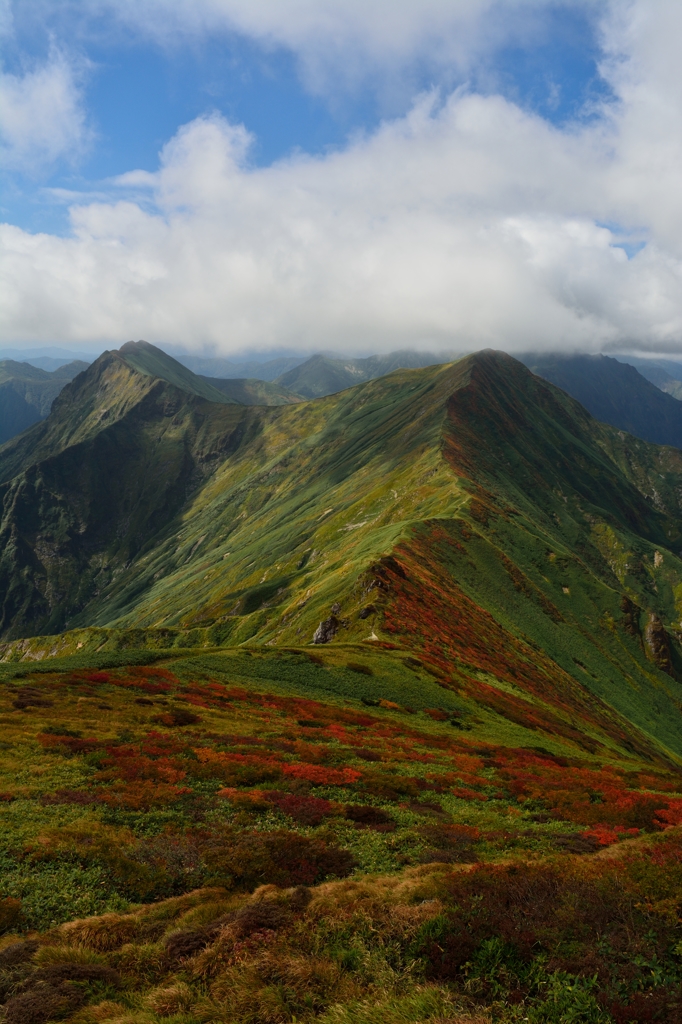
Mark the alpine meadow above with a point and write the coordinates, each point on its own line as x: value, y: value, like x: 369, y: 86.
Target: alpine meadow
x: 341, y: 617
x: 359, y: 708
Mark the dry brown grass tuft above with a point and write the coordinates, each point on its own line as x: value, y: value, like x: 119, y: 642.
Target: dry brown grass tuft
x: 47, y: 956
x: 110, y: 1012
x: 102, y: 934
x: 423, y: 1005
x: 171, y: 909
x: 171, y: 999
x: 205, y: 913
x: 144, y: 964
x: 413, y: 885
x: 464, y: 1018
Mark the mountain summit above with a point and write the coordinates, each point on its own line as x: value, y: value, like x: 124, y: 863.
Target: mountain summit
x: 472, y: 506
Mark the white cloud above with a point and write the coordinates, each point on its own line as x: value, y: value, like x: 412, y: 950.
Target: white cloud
x: 465, y: 223
x: 381, y: 45
x: 339, y: 39
x: 41, y: 116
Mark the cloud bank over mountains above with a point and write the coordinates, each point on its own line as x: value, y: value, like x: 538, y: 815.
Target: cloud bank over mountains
x: 467, y: 222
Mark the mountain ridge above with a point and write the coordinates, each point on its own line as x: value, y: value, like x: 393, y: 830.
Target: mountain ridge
x: 614, y: 392
x: 384, y: 683
x: 322, y: 375
x: 154, y: 362
x: 475, y: 481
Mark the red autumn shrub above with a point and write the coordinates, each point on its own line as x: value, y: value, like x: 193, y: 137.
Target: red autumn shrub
x: 449, y: 844
x: 68, y: 744
x: 306, y: 810
x: 584, y: 794
x: 141, y: 795
x: 370, y: 817
x: 645, y: 1008
x: 468, y: 794
x: 153, y: 672
x: 69, y: 796
x: 322, y: 776
x: 606, y: 835
x: 670, y: 815
x: 282, y: 858
x: 177, y: 717
x: 125, y: 763
x: 238, y: 769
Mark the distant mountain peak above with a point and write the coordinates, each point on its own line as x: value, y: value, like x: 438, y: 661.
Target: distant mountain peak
x: 153, y: 362
x: 472, y: 505
x: 614, y: 392
x: 326, y: 375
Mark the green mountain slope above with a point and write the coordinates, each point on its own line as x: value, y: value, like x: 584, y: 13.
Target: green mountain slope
x: 470, y: 513
x: 27, y: 393
x: 148, y: 359
x: 369, y: 709
x: 87, y: 488
x: 615, y: 393
x: 672, y: 387
x: 321, y: 375
x: 252, y: 391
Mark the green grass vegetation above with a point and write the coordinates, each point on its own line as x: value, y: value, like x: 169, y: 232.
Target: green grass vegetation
x: 251, y: 391
x: 461, y: 804
x: 278, y: 835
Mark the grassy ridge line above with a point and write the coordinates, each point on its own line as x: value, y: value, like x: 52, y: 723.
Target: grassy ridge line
x: 252, y: 391
x: 152, y: 362
x: 485, y: 704
x: 112, y: 659
x: 561, y: 531
x: 284, y: 670
x: 329, y: 487
x: 99, y: 640
x: 313, y: 499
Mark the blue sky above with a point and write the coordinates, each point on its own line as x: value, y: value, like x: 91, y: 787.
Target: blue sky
x: 137, y: 91
x: 234, y: 176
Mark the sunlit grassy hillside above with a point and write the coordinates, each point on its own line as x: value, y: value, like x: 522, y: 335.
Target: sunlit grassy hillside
x: 460, y: 804
x: 470, y: 511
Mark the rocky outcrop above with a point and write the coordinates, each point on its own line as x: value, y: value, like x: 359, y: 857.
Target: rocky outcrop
x: 658, y: 644
x: 631, y: 613
x: 326, y: 630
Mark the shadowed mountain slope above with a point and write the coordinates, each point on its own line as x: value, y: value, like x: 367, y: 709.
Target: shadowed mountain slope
x: 27, y: 393
x: 664, y: 373
x: 470, y: 513
x: 615, y: 393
